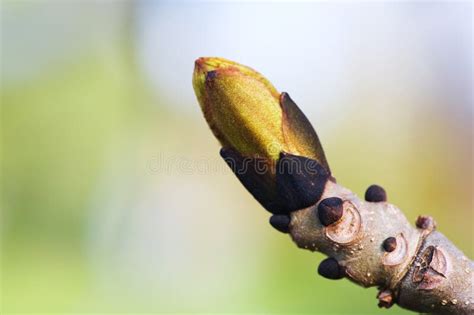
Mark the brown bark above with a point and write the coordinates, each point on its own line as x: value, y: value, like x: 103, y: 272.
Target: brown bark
x: 369, y: 242
x: 425, y: 272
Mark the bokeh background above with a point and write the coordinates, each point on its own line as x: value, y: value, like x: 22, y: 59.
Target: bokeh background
x: 114, y: 198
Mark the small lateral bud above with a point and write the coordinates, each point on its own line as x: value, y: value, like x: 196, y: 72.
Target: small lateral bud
x: 399, y: 253
x: 375, y: 193
x: 385, y: 298
x: 425, y: 222
x: 330, y: 210
x: 329, y: 268
x: 389, y: 244
x: 280, y: 222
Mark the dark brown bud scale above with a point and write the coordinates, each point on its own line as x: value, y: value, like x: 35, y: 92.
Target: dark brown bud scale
x: 375, y: 193
x: 329, y: 268
x: 389, y: 244
x: 280, y: 222
x: 300, y: 181
x: 330, y: 210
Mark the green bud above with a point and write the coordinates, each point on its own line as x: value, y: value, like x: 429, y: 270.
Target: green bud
x: 246, y: 112
x: 241, y: 107
x: 251, y: 119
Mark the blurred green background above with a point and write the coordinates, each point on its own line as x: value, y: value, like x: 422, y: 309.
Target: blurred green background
x: 114, y: 198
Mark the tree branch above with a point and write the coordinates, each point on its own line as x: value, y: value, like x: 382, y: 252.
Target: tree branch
x: 423, y: 272
x: 275, y: 153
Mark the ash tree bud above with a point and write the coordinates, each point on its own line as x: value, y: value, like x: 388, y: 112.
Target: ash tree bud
x: 329, y: 268
x: 261, y: 132
x: 389, y: 244
x: 330, y: 210
x: 241, y: 107
x: 375, y: 193
x: 280, y: 222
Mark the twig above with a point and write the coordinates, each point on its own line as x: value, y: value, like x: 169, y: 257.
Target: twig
x: 274, y: 151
